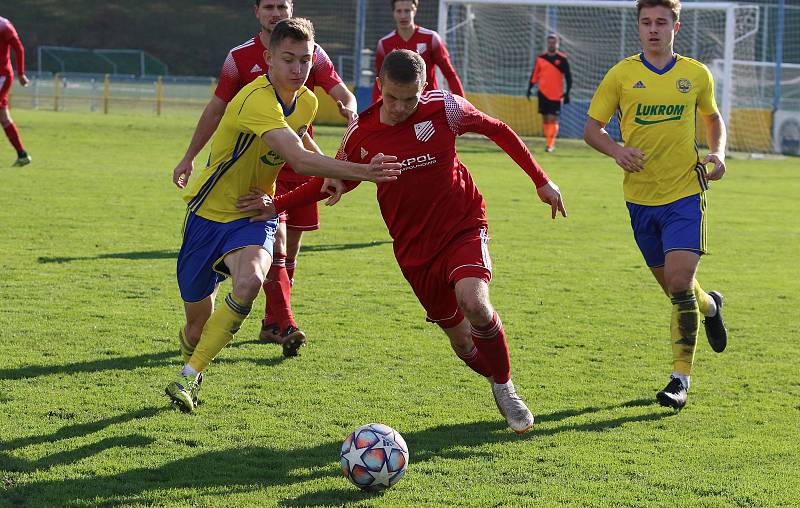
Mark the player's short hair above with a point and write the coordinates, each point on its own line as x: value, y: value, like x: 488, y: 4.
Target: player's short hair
x: 403, y: 66
x: 415, y: 3
x: 673, y: 5
x: 298, y: 29
x: 258, y: 2
x: 553, y: 36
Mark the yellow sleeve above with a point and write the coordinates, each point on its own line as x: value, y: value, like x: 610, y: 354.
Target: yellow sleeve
x: 606, y: 98
x: 706, y: 103
x: 314, y: 109
x: 261, y: 113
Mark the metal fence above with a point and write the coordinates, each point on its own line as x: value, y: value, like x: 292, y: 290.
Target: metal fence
x: 107, y: 93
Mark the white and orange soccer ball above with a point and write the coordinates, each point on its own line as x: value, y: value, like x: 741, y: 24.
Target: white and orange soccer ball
x: 374, y: 457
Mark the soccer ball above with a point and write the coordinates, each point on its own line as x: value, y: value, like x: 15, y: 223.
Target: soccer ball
x: 374, y: 457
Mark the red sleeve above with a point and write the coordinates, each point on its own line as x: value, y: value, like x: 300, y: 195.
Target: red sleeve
x: 379, y: 56
x: 442, y: 60
x: 325, y: 74
x: 19, y: 50
x: 229, y: 81
x: 311, y: 191
x: 463, y: 117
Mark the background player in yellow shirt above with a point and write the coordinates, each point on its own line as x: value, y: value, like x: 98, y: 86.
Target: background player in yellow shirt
x: 264, y: 126
x: 657, y: 94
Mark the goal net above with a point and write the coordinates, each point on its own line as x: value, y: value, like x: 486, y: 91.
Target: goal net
x: 494, y: 44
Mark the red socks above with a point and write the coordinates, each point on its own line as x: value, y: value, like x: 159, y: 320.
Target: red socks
x: 477, y: 362
x: 490, y: 340
x: 290, y: 264
x: 279, y: 296
x: 13, y: 135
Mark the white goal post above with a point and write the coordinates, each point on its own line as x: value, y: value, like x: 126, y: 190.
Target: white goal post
x: 494, y: 43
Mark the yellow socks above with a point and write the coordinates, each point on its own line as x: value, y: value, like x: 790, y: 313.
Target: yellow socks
x: 706, y: 304
x: 219, y: 330
x: 684, y: 326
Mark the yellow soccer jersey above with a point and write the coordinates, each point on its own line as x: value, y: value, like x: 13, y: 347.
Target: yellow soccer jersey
x: 239, y: 158
x: 657, y: 109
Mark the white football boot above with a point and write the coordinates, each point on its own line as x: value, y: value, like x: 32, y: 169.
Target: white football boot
x: 512, y: 407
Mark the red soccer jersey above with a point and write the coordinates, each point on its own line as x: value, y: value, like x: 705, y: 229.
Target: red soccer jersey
x: 246, y: 62
x: 8, y: 40
x: 435, y: 198
x: 430, y: 47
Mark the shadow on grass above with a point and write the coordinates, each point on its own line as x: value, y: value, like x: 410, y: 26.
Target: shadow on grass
x: 245, y: 469
x: 136, y: 255
x: 342, y: 246
x: 81, y: 429
x: 173, y: 254
x: 113, y: 363
x: 126, y: 363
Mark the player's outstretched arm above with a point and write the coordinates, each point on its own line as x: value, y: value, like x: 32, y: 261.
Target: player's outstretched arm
x: 716, y: 135
x: 312, y: 191
x: 628, y: 158
x: 382, y: 168
x: 206, y: 126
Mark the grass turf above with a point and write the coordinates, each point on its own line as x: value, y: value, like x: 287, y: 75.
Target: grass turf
x: 90, y: 233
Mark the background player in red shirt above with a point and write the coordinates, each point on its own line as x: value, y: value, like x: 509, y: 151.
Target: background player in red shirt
x: 549, y: 72
x: 435, y: 213
x: 427, y: 43
x: 243, y: 64
x: 10, y: 40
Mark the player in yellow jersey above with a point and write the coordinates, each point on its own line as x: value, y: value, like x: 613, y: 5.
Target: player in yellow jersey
x: 657, y: 95
x: 264, y: 126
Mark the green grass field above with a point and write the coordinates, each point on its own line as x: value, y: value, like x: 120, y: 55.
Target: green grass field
x: 90, y: 310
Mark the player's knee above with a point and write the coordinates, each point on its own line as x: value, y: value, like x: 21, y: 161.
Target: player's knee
x: 477, y: 310
x: 248, y: 286
x: 680, y: 282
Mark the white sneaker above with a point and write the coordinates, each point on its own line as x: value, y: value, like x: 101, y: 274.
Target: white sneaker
x: 512, y: 407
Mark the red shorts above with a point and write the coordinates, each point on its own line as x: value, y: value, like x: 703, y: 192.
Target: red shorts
x: 303, y: 218
x: 434, y: 284
x: 5, y: 85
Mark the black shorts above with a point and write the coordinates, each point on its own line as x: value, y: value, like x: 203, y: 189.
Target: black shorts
x: 548, y: 107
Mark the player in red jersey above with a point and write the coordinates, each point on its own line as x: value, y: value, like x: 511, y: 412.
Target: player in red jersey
x: 10, y: 40
x: 549, y: 73
x: 243, y: 64
x: 427, y: 43
x: 435, y: 213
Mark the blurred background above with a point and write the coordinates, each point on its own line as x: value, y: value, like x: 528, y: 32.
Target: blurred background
x: 155, y: 57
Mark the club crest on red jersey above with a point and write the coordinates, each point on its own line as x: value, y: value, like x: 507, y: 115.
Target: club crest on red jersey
x: 424, y: 130
x: 422, y: 47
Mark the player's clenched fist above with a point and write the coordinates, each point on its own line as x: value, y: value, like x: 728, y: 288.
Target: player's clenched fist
x: 181, y: 173
x: 630, y: 159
